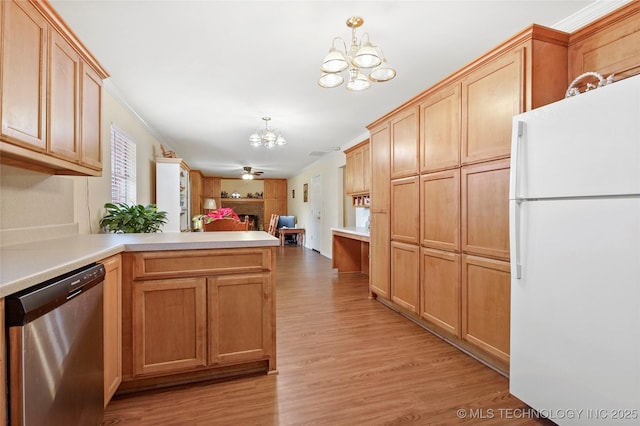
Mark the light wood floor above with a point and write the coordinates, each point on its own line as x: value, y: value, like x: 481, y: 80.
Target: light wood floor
x: 342, y: 360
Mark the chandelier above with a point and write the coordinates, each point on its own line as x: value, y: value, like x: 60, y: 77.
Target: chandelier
x: 267, y: 137
x: 361, y: 56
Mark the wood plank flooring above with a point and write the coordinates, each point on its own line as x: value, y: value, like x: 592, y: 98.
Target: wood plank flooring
x: 342, y: 360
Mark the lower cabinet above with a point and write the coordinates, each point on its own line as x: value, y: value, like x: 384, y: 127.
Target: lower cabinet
x: 169, y: 325
x: 440, y: 289
x: 239, y: 317
x: 112, y: 303
x: 197, y: 314
x: 486, y: 304
x: 405, y: 275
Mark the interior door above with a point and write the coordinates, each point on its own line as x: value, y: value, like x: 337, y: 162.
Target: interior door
x: 315, y: 236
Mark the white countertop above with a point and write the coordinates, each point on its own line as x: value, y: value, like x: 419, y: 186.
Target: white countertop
x: 24, y: 265
x: 359, y: 231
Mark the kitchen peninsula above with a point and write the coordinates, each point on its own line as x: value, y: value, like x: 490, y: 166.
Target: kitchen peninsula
x: 193, y: 306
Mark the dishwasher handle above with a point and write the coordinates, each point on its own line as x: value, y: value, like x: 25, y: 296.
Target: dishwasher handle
x: 33, y: 302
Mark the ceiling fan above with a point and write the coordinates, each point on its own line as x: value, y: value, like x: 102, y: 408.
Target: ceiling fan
x: 247, y: 174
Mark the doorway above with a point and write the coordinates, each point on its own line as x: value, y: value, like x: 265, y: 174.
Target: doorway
x: 315, y: 234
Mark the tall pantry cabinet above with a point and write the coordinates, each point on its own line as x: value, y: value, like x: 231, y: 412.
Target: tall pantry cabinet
x: 448, y: 180
x: 380, y: 237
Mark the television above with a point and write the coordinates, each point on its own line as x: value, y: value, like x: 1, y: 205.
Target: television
x: 287, y: 222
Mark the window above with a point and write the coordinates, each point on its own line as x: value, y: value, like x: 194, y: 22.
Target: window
x: 123, y: 167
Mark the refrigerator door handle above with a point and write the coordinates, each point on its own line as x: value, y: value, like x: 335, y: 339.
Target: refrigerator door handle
x: 517, y: 249
x: 518, y: 130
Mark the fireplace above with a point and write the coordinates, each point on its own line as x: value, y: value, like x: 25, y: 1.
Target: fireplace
x: 253, y: 208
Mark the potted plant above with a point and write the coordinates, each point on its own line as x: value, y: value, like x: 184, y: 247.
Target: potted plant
x: 135, y: 218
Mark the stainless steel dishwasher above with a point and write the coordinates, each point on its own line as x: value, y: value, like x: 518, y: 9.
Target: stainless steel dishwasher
x: 55, y: 348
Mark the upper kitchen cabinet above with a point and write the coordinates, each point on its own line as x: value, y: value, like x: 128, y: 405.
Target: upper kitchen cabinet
x: 358, y: 169
x: 64, y: 78
x: 610, y: 47
x: 440, y: 129
x: 51, y: 93
x: 525, y: 72
x: 491, y: 95
x: 24, y: 82
x: 404, y: 143
x: 90, y: 113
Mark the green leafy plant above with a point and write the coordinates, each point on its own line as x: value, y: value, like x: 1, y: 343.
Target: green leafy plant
x: 134, y: 218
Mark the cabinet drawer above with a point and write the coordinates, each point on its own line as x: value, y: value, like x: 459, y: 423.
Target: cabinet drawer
x: 200, y: 262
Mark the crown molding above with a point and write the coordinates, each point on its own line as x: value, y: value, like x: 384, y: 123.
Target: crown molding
x: 588, y: 14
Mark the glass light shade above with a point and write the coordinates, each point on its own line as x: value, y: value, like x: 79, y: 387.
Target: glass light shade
x: 382, y: 73
x: 358, y: 82
x: 281, y: 141
x: 269, y: 137
x: 247, y: 176
x: 329, y: 80
x: 255, y: 140
x: 334, y: 61
x: 367, y: 57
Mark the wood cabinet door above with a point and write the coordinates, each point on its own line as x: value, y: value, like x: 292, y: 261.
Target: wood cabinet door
x: 23, y: 81
x: 91, y: 89
x: 169, y: 325
x: 379, y: 255
x: 486, y: 304
x: 64, y: 77
x: 195, y: 178
x: 609, y: 46
x: 491, y: 96
x: 211, y: 188
x: 112, y: 326
x: 366, y: 168
x: 380, y: 144
x: 485, y: 209
x: 440, y: 130
x: 240, y: 315
x: 405, y: 146
x: 405, y: 215
x: 349, y: 171
x: 358, y: 166
x: 405, y: 276
x: 440, y: 210
x: 440, y: 289
x: 281, y: 189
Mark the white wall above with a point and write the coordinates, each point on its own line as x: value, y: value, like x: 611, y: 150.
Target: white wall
x: 30, y: 199
x: 242, y: 186
x: 329, y: 167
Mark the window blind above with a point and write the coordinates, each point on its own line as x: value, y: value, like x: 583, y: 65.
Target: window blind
x: 123, y: 167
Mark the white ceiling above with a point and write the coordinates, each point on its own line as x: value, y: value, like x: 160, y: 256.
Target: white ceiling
x: 202, y: 74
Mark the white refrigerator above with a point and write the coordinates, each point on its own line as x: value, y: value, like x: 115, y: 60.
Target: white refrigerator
x: 575, y: 257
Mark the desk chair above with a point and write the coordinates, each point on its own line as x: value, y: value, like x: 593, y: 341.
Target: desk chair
x: 288, y: 222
